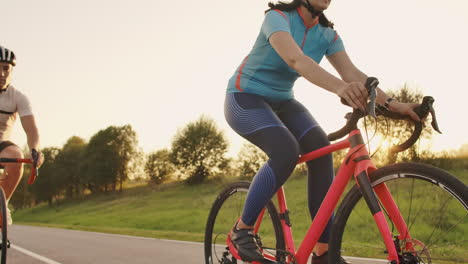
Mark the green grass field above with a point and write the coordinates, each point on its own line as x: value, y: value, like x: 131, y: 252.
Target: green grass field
x: 175, y: 212
x: 180, y: 212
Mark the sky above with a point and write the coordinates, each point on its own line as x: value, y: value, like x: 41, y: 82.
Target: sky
x: 158, y: 65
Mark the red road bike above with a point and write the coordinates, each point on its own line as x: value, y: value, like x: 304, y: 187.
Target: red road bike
x: 5, y: 243
x: 418, y: 213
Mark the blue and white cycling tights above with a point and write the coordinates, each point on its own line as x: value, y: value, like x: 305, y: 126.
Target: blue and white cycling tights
x: 283, y: 130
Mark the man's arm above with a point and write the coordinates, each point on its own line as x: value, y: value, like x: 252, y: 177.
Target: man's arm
x: 32, y: 133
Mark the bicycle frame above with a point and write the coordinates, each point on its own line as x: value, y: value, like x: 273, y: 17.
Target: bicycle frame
x: 34, y: 172
x: 357, y: 163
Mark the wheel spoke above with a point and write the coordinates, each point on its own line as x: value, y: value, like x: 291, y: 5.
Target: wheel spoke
x: 225, y: 212
x: 441, y: 214
x: 418, y: 212
x: 433, y: 204
x: 411, y: 204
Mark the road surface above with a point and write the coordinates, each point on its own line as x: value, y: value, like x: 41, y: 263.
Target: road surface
x: 39, y: 245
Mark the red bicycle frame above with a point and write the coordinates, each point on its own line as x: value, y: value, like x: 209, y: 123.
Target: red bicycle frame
x: 33, y: 175
x: 357, y: 163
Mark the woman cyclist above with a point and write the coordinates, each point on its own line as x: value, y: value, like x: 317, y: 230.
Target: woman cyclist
x: 260, y: 107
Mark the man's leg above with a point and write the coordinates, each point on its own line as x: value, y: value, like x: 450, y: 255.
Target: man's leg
x: 13, y: 171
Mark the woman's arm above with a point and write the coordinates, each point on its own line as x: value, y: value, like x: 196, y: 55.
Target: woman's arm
x: 350, y: 73
x: 354, y: 92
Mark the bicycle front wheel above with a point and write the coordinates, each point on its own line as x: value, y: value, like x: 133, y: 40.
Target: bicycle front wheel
x: 3, y: 210
x: 434, y: 205
x: 225, y: 212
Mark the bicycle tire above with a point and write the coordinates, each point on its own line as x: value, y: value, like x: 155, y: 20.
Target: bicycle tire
x: 438, y: 202
x: 3, y: 210
x: 226, y: 209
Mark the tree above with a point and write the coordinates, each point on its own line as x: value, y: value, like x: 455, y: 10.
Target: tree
x: 69, y: 163
x: 126, y: 145
x: 159, y: 167
x: 49, y: 183
x: 249, y: 160
x: 463, y: 151
x: 199, y: 149
x: 109, y: 156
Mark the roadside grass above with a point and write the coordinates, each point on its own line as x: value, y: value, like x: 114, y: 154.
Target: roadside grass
x: 171, y: 209
x: 174, y: 211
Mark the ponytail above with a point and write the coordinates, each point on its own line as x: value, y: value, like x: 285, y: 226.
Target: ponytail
x: 323, y: 20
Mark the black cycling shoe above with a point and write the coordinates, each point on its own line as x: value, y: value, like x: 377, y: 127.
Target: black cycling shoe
x: 323, y: 259
x: 246, y: 244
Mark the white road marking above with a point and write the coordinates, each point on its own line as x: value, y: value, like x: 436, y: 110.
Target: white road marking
x: 34, y: 255
x: 138, y: 237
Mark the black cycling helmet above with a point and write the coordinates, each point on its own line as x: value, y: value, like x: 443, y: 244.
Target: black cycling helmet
x: 311, y: 9
x: 7, y: 55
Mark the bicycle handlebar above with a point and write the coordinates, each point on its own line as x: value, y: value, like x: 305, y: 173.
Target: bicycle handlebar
x: 34, y: 170
x: 372, y: 109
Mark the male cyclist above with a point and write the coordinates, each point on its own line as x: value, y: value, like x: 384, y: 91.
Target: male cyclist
x: 12, y: 104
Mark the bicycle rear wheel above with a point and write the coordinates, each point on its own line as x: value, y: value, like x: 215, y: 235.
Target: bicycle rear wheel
x: 225, y: 212
x: 434, y: 205
x: 4, y: 242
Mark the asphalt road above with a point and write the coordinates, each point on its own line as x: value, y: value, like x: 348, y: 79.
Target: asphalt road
x: 34, y: 245
x: 39, y: 245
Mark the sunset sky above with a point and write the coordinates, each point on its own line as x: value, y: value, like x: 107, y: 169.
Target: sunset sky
x: 158, y: 65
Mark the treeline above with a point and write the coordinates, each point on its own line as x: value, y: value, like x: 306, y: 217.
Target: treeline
x: 197, y: 153
x: 100, y: 165
x: 112, y: 157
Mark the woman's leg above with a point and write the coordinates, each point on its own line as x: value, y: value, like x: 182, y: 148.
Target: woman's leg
x: 320, y: 178
x: 320, y: 171
x: 254, y: 119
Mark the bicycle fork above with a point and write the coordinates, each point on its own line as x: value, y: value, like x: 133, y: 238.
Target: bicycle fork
x: 373, y: 204
x: 390, y: 206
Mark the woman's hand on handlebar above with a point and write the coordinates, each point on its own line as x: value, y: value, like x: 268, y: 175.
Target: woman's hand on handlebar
x: 355, y: 94
x: 405, y: 109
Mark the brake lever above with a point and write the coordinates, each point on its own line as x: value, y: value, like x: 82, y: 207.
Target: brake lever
x: 35, y: 157
x: 35, y: 160
x: 426, y: 108
x: 434, y: 123
x: 371, y: 84
x: 371, y: 104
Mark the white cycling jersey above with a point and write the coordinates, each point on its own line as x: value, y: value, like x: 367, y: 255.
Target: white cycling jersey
x: 12, y: 103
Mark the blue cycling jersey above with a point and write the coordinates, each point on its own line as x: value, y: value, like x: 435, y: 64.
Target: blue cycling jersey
x: 263, y: 72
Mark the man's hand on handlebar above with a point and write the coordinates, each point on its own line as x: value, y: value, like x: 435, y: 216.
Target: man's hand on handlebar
x: 37, y: 157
